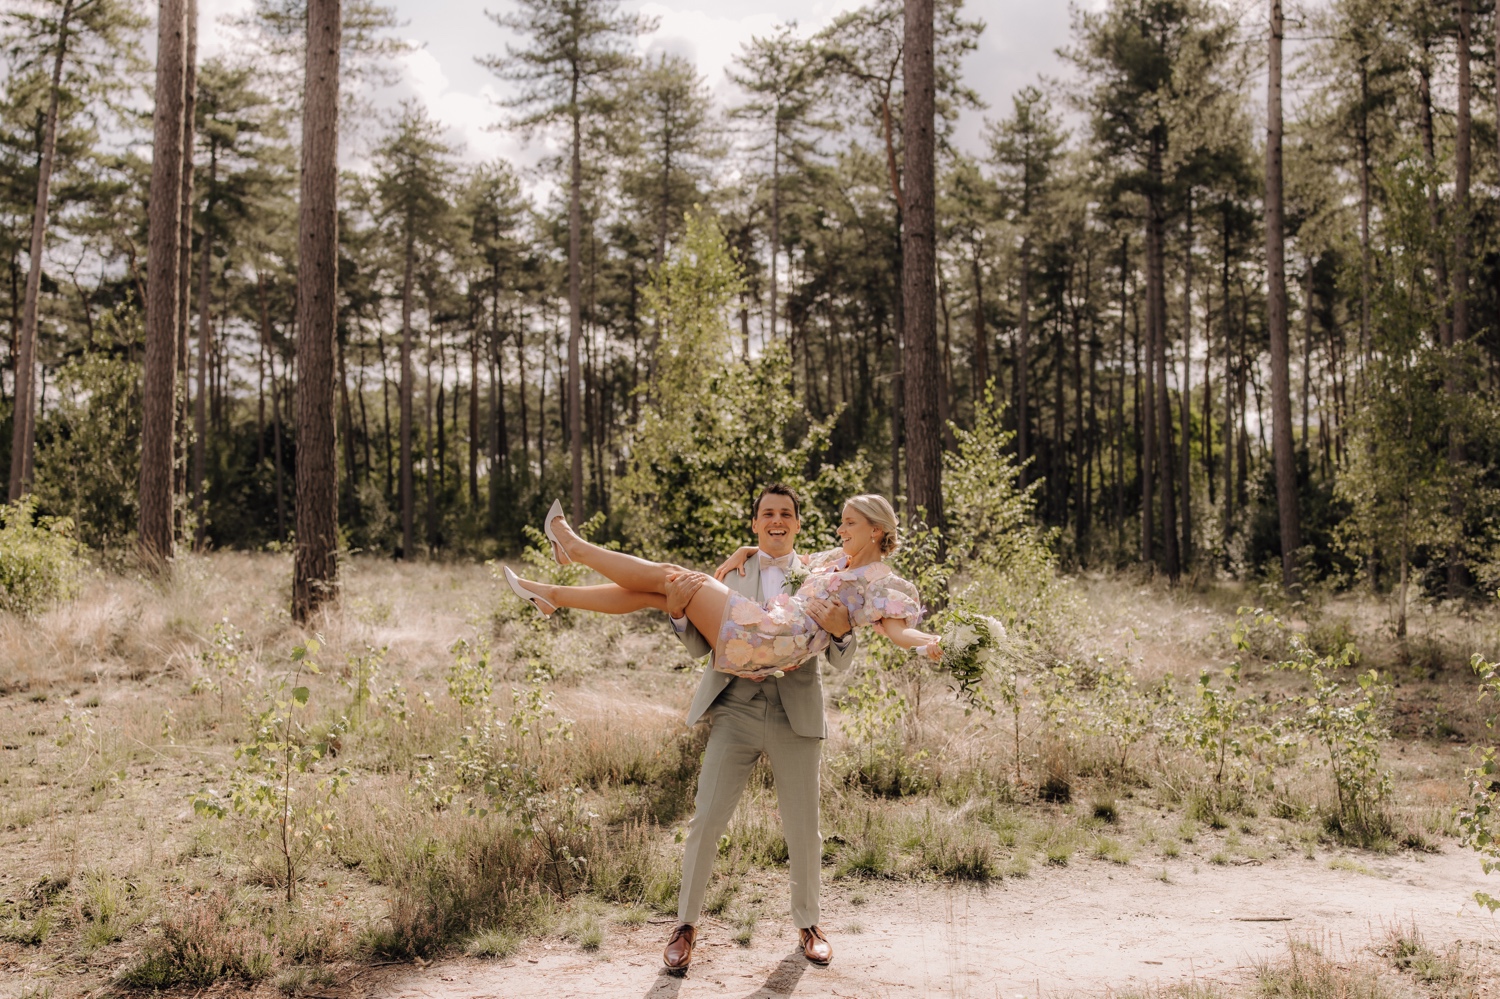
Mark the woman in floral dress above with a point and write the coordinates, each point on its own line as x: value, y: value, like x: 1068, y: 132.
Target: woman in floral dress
x: 752, y: 640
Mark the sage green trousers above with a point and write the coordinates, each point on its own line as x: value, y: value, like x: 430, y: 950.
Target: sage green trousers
x: 747, y: 720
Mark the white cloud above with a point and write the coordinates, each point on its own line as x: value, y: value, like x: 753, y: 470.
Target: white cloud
x: 470, y: 117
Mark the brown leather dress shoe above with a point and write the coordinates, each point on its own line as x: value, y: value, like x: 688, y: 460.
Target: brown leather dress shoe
x: 815, y: 946
x: 679, y: 952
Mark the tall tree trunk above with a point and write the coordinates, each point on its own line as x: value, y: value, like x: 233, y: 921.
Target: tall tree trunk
x: 1456, y: 384
x: 1434, y: 203
x: 1119, y: 420
x: 1307, y: 346
x: 1023, y: 363
x: 923, y: 369
x: 981, y: 353
x: 408, y: 500
x: 776, y: 213
x: 429, y: 479
x: 23, y: 429
x: 346, y: 421
x: 158, y: 401
x: 185, y: 271
x: 1229, y: 384
x: 1157, y: 295
x: 315, y: 558
x: 573, y: 390
x: 1281, y: 398
x: 1362, y: 138
x: 474, y: 416
x: 205, y: 337
x: 385, y: 423
x: 1187, y: 391
x: 1158, y: 456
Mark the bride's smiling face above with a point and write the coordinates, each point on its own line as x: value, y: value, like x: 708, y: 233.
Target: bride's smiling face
x: 858, y: 534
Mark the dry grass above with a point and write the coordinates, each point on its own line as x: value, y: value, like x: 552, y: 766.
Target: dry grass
x: 104, y: 742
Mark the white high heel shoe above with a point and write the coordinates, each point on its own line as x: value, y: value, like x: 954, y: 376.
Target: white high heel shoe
x: 536, y: 600
x: 553, y: 512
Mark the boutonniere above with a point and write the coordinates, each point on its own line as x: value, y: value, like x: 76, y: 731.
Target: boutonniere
x: 795, y: 575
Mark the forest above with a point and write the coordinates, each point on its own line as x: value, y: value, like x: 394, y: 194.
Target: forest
x: 1179, y: 363
x: 1225, y: 339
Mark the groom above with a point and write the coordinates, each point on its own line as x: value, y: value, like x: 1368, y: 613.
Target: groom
x: 781, y: 717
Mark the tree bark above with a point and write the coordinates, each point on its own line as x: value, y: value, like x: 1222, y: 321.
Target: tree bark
x: 1455, y: 383
x: 1434, y: 204
x: 1023, y: 363
x: 205, y: 335
x: 165, y: 220
x: 1281, y: 399
x: 1187, y: 392
x: 575, y: 312
x: 23, y: 429
x: 1156, y: 293
x: 181, y: 443
x: 315, y: 561
x: 408, y: 539
x: 981, y: 352
x: 923, y: 370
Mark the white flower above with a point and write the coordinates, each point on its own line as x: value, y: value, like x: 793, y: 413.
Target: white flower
x: 963, y: 636
x: 996, y: 628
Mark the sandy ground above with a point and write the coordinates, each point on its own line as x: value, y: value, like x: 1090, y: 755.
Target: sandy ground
x: 1091, y: 929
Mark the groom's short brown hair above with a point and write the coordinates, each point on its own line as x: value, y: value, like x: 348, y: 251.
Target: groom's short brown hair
x: 778, y: 489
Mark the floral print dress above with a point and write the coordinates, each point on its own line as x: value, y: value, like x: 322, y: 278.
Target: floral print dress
x: 757, y: 641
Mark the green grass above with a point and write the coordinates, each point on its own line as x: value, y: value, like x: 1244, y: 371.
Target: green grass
x: 492, y: 944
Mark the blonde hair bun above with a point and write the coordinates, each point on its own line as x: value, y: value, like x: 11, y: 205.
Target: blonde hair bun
x: 878, y: 511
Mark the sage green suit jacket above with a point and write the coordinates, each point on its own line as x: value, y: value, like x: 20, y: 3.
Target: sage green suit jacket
x: 801, y: 689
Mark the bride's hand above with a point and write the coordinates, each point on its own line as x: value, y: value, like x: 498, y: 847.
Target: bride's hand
x: 735, y: 561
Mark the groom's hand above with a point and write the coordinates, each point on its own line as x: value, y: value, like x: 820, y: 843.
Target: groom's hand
x: 680, y: 589
x: 832, y: 616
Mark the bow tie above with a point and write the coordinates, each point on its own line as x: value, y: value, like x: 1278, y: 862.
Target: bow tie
x: 784, y: 563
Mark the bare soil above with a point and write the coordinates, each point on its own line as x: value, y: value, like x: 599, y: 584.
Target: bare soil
x: 1094, y: 928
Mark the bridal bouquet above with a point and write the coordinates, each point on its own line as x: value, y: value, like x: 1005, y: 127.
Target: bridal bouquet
x: 971, y: 642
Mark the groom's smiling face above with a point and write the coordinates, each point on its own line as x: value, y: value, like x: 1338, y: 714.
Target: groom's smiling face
x: 776, y: 524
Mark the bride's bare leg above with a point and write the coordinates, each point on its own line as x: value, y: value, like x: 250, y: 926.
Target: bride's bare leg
x: 607, y: 598
x: 705, y: 610
x: 630, y: 572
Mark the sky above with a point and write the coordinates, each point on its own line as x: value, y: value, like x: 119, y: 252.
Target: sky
x: 1019, y: 43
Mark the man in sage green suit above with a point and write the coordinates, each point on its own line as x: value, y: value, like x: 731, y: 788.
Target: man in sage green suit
x: 781, y: 717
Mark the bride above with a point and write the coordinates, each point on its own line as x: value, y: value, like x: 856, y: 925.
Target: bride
x: 752, y: 640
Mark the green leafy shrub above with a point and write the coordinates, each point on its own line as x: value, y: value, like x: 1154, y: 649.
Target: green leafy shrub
x: 41, y: 562
x: 1349, y: 724
x: 270, y: 789
x: 88, y: 455
x: 717, y: 429
x: 1479, y: 819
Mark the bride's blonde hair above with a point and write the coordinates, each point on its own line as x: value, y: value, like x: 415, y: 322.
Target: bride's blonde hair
x: 878, y: 511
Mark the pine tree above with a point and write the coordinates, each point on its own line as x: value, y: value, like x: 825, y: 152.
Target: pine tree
x: 1282, y: 452
x: 76, y: 44
x: 782, y: 82
x: 412, y: 165
x: 924, y: 442
x: 160, y: 381
x: 315, y: 558
x: 574, y: 50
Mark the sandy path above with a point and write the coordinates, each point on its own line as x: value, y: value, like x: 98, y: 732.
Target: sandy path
x: 1088, y: 929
